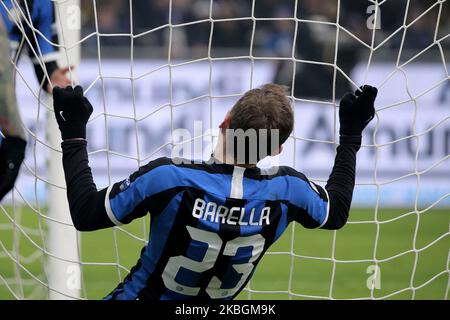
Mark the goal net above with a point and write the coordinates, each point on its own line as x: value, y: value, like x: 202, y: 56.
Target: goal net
x: 163, y: 74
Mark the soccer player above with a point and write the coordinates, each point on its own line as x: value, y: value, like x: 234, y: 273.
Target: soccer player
x: 15, y: 19
x: 12, y: 137
x: 42, y: 14
x: 211, y: 222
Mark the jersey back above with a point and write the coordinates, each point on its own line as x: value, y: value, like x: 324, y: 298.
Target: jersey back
x: 210, y: 224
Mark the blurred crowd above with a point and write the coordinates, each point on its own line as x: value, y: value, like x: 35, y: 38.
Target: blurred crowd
x: 113, y: 17
x: 226, y: 28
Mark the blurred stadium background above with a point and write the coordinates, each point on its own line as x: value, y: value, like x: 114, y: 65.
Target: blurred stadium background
x: 190, y: 63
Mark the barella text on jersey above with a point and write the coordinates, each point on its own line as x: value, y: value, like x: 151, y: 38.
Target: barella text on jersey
x: 213, y: 212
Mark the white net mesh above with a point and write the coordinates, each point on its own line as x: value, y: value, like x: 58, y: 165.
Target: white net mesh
x: 188, y: 61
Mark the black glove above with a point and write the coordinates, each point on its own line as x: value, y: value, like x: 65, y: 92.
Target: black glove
x: 72, y: 111
x: 357, y: 110
x: 12, y: 153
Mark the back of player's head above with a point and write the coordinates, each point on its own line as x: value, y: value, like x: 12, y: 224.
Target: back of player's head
x: 266, y: 111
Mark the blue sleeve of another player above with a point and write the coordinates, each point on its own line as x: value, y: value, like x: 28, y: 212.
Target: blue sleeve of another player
x: 46, y: 25
x: 131, y: 198
x: 9, y: 25
x: 310, y: 202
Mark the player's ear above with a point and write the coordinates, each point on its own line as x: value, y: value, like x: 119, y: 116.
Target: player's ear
x: 277, y: 151
x: 226, y: 121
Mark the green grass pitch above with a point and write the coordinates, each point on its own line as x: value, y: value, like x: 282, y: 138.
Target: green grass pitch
x: 311, y: 272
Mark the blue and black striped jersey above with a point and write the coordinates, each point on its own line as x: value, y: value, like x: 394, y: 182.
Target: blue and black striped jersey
x: 210, y: 224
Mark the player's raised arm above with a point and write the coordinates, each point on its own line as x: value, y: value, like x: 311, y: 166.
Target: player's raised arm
x: 328, y: 207
x: 121, y: 202
x: 355, y: 113
x: 72, y: 111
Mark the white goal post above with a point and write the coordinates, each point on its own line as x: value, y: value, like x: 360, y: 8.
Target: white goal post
x: 63, y: 270
x: 61, y: 248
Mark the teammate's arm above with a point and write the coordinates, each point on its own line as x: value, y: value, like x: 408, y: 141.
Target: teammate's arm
x: 12, y: 142
x: 329, y: 208
x: 46, y: 25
